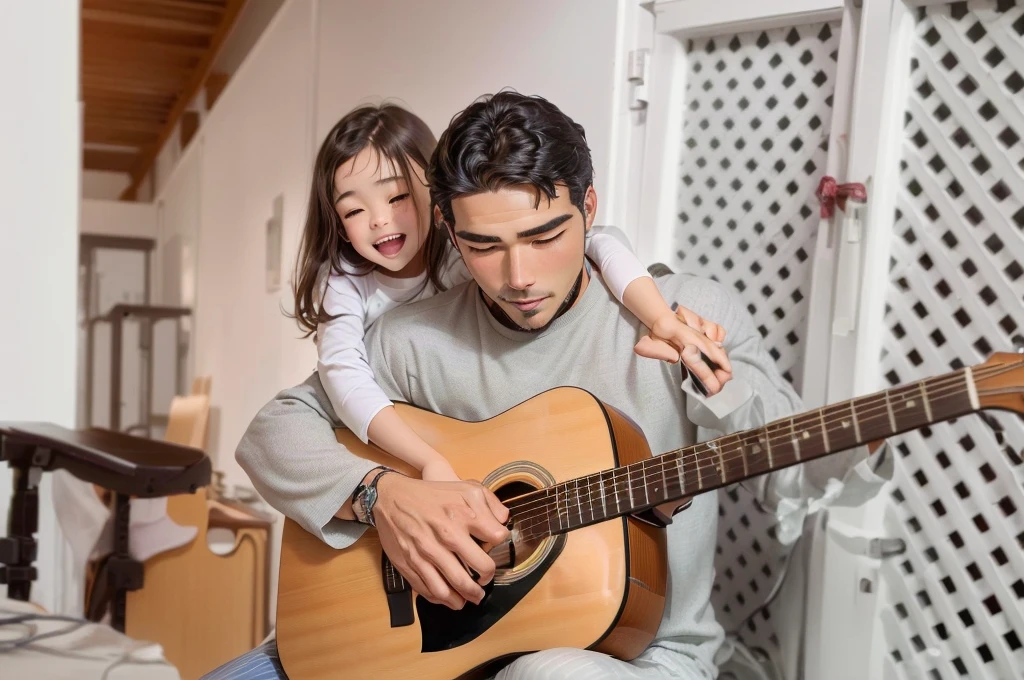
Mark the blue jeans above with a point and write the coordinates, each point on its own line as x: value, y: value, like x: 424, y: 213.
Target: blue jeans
x: 261, y: 663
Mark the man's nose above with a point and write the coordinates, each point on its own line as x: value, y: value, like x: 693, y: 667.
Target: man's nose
x: 520, y: 271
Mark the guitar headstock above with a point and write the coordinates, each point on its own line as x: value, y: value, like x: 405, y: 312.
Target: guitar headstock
x: 1000, y: 382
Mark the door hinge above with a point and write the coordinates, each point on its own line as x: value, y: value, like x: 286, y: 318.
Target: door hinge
x: 637, y: 75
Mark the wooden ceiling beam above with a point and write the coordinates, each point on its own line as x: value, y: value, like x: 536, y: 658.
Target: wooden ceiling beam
x: 178, y: 5
x: 125, y: 86
x: 117, y: 47
x: 109, y: 161
x: 104, y: 63
x: 98, y: 135
x: 189, y: 127
x: 104, y: 123
x: 202, y: 70
x: 196, y: 5
x: 97, y: 101
x: 116, y: 112
x: 139, y: 21
x: 170, y: 81
x: 165, y: 100
x: 215, y: 84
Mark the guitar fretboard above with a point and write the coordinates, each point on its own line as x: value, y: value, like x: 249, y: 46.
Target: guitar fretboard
x: 703, y: 467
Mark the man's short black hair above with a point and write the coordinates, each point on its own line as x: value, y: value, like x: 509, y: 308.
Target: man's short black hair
x: 509, y: 139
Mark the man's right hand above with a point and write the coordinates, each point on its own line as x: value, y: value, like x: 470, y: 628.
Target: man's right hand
x: 427, y: 530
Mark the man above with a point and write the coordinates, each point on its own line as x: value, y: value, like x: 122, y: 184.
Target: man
x: 512, y: 181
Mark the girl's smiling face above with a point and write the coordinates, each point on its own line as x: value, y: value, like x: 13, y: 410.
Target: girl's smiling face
x: 383, y: 214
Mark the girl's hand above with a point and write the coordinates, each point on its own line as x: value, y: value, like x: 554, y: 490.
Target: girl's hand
x: 439, y: 471
x: 710, y: 329
x: 685, y: 335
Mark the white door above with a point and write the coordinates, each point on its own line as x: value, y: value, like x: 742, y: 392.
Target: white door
x: 751, y: 104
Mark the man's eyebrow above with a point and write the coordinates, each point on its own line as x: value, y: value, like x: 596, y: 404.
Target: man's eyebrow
x: 546, y: 227
x: 383, y: 180
x: 535, y: 231
x: 477, y: 238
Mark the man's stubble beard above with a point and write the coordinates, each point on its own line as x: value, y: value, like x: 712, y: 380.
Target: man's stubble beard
x: 499, y: 313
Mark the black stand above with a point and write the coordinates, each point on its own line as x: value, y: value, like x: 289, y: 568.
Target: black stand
x: 129, y: 466
x: 123, y: 572
x: 18, y: 549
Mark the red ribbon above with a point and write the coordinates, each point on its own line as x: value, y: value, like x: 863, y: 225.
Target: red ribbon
x: 831, y: 194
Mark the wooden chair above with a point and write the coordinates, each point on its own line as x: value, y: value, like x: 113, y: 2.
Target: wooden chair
x: 201, y: 385
x: 203, y: 608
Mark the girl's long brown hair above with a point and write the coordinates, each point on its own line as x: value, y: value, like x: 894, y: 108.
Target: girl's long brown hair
x: 400, y: 138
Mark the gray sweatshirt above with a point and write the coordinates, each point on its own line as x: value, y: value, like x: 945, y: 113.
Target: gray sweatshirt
x: 448, y: 354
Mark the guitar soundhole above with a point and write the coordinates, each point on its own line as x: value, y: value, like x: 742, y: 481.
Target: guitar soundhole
x: 507, y: 482
x: 513, y: 489
x: 523, y: 550
x: 443, y: 628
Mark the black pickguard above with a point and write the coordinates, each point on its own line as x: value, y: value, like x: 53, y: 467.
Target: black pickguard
x: 443, y: 628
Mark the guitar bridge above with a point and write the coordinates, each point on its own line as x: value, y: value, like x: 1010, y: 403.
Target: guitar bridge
x: 399, y: 594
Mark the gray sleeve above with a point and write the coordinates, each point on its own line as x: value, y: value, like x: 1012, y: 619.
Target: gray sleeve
x: 296, y: 463
x: 758, y: 394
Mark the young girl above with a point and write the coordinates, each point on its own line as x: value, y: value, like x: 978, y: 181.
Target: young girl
x: 366, y: 248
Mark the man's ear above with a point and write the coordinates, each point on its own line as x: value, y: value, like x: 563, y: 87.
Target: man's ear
x: 442, y: 223
x: 589, y: 207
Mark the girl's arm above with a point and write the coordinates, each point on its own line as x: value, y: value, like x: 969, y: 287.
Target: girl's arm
x: 683, y: 334
x: 357, y: 399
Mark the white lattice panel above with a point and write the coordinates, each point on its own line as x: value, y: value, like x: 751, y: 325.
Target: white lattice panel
x: 953, y: 604
x: 756, y: 126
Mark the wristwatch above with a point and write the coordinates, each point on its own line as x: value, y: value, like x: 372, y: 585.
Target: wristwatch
x: 365, y: 497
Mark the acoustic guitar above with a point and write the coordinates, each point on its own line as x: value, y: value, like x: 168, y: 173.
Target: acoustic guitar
x: 586, y: 564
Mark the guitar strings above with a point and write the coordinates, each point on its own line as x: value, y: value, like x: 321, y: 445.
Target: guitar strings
x: 532, y: 518
x: 757, y: 435
x: 780, y: 425
x: 873, y: 406
x: 708, y: 473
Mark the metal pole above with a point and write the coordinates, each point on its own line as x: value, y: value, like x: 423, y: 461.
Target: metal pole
x: 115, y: 372
x: 182, y: 352
x: 90, y: 339
x: 146, y: 374
x: 146, y: 283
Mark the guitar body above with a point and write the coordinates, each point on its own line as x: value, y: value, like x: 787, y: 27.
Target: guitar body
x: 599, y: 587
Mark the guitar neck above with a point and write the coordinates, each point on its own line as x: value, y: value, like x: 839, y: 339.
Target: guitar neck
x: 734, y: 458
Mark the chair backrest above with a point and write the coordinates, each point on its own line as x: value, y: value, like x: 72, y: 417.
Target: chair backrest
x: 201, y: 384
x: 188, y: 421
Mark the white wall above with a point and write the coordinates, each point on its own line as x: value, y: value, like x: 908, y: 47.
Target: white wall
x: 103, y: 185
x: 254, y: 147
x: 39, y: 192
x: 251, y: 22
x: 177, y: 216
x: 118, y: 218
x: 316, y: 61
x: 441, y: 57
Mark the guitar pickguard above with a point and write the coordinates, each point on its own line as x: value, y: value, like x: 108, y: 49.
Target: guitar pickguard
x: 443, y: 628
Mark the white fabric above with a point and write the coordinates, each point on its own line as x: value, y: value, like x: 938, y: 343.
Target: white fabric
x: 566, y: 663
x: 73, y: 651
x: 358, y: 301
x: 734, y: 394
x: 88, y: 524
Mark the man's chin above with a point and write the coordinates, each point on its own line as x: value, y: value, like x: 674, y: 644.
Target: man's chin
x: 529, y: 320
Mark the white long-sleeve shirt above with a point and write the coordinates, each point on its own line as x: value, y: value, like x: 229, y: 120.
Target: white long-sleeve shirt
x: 358, y: 301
